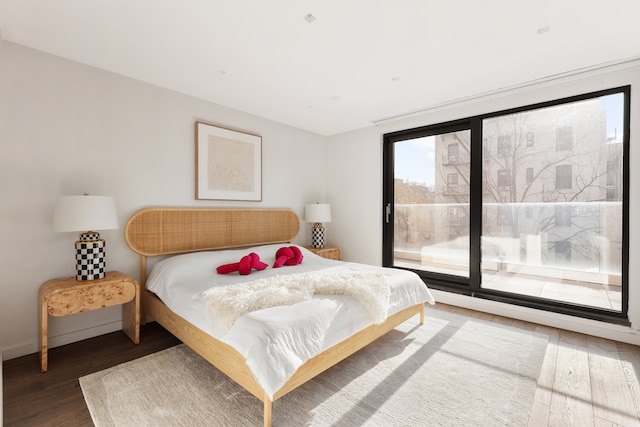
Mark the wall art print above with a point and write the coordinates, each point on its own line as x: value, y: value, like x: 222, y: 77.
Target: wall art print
x: 228, y: 164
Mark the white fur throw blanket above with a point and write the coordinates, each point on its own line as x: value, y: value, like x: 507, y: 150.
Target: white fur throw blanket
x: 227, y: 303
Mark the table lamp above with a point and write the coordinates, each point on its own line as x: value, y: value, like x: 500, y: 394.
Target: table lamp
x: 317, y: 213
x: 87, y: 213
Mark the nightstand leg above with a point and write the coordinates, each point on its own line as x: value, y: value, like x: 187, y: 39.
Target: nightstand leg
x: 131, y: 317
x: 42, y: 335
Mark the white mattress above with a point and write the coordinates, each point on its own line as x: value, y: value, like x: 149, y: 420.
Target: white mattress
x: 276, y: 341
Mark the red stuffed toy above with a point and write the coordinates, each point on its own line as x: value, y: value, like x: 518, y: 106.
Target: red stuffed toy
x: 244, y: 266
x: 288, y: 256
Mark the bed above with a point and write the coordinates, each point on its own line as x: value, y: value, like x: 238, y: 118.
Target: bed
x: 200, y: 239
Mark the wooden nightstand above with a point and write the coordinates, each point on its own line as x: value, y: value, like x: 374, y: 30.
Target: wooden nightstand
x: 326, y: 252
x: 61, y: 297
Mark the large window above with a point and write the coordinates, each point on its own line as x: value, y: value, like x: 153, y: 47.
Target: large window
x: 540, y: 224
x: 431, y: 201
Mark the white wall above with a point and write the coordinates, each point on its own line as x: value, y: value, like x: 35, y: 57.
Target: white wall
x: 355, y: 185
x: 66, y: 128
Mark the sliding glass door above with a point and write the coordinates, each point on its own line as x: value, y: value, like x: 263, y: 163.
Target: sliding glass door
x: 526, y: 206
x: 431, y: 202
x: 552, y: 202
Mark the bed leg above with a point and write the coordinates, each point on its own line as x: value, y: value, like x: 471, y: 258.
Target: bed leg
x: 143, y: 288
x: 268, y: 404
x: 422, y: 315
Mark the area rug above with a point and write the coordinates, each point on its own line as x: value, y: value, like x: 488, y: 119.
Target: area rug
x: 452, y: 371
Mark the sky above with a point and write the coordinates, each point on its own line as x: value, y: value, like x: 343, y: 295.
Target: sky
x: 614, y: 106
x: 414, y: 160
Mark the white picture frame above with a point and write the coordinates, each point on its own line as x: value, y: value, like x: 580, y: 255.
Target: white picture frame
x: 228, y: 164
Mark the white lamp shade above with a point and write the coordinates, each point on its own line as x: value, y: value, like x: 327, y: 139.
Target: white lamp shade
x: 317, y: 212
x: 85, y: 213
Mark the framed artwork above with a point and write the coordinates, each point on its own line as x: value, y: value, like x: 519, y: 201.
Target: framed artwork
x: 228, y: 164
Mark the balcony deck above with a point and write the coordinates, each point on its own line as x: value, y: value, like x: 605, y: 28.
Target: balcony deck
x: 599, y: 295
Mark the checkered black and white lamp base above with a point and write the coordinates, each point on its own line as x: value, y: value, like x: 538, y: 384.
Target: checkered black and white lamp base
x: 317, y: 235
x: 90, y: 257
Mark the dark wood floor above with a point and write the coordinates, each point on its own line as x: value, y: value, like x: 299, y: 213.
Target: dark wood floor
x: 54, y: 398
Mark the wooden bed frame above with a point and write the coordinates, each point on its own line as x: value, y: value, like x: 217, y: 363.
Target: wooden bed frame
x: 164, y: 231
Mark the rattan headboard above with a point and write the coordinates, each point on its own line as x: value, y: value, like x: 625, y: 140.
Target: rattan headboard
x: 162, y: 231
x: 165, y: 231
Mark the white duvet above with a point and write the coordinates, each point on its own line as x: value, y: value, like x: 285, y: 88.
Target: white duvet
x: 276, y: 341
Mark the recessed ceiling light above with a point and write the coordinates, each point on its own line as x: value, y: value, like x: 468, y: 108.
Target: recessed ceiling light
x: 544, y: 29
x: 309, y: 18
x: 395, y: 78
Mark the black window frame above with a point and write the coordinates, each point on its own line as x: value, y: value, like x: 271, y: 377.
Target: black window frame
x: 471, y: 286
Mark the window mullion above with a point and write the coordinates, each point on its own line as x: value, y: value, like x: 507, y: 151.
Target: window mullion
x: 475, y: 203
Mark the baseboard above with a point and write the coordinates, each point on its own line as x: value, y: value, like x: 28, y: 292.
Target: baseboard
x: 63, y: 339
x: 577, y: 324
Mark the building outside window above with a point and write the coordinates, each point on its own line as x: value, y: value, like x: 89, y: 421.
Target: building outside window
x: 504, y: 146
x: 504, y: 179
x: 564, y: 138
x: 563, y: 177
x: 452, y: 153
x: 563, y: 215
x: 527, y: 212
x: 452, y: 183
x: 529, y: 139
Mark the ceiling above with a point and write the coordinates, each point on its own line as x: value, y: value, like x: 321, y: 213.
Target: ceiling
x: 358, y: 62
